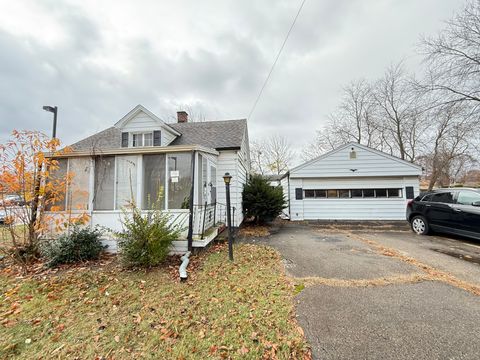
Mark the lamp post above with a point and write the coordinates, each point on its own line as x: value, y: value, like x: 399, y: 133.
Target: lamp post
x: 227, y: 178
x: 54, y: 110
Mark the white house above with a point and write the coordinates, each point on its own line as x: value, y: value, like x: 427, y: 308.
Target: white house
x: 352, y: 182
x: 178, y: 165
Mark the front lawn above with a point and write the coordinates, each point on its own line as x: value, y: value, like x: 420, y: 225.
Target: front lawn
x: 228, y: 310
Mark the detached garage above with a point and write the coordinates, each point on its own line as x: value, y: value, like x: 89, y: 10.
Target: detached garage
x: 353, y: 182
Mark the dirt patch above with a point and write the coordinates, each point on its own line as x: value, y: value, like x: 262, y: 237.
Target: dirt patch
x: 254, y: 231
x: 433, y: 273
x: 384, y: 281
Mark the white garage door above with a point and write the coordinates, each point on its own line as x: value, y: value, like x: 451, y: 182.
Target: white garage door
x: 368, y: 199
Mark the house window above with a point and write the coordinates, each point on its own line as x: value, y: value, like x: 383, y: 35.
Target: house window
x: 142, y: 139
x: 103, y: 198
x: 154, y: 182
x: 126, y: 183
x: 344, y: 193
x: 179, y: 187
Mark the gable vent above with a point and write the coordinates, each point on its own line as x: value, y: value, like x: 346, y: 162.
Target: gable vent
x: 353, y: 154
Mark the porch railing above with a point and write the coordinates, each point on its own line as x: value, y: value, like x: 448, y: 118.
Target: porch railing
x: 207, y: 216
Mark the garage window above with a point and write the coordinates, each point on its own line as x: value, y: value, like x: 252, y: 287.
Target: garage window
x: 354, y: 193
x: 368, y: 193
x: 394, y: 193
x: 309, y: 194
x: 332, y: 193
x: 380, y: 193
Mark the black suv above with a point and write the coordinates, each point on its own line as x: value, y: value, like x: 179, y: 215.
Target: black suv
x: 454, y: 211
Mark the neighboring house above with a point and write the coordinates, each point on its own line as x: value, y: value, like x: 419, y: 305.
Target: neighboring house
x: 352, y: 182
x: 145, y: 159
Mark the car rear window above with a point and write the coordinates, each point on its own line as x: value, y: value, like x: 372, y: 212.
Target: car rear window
x: 468, y: 197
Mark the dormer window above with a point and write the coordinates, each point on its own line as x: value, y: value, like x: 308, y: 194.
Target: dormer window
x: 142, y: 139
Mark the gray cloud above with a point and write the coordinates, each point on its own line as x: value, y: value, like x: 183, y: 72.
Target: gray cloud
x: 211, y: 56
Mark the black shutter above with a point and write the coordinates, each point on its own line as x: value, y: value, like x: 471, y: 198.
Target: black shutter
x: 157, y: 138
x: 298, y: 194
x: 409, y: 192
x: 124, y: 139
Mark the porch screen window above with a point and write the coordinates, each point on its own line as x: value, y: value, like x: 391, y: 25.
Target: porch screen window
x: 126, y: 180
x: 154, y: 181
x: 104, y: 183
x: 213, y: 184
x: 78, y: 189
x: 57, y: 182
x: 200, y: 179
x: 179, y: 187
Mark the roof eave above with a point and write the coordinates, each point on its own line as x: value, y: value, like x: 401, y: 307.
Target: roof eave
x: 133, y: 151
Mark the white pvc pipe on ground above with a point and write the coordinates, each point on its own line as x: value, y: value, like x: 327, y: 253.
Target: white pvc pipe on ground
x: 183, y: 266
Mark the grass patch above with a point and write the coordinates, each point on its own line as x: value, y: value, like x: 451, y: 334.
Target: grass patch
x: 299, y: 288
x: 229, y: 310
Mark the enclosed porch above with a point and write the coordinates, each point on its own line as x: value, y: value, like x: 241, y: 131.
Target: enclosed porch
x: 179, y: 180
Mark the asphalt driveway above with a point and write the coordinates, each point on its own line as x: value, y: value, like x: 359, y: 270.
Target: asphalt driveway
x: 373, y: 293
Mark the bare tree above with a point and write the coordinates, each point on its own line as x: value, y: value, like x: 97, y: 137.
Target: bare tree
x: 451, y: 152
x: 273, y: 155
x: 453, y: 58
x: 257, y: 153
x: 354, y: 121
x: 279, y: 154
x: 400, y: 111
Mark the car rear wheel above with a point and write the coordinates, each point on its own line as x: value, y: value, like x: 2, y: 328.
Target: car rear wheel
x: 420, y: 225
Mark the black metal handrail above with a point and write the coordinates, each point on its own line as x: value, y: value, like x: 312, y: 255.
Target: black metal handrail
x: 208, y: 215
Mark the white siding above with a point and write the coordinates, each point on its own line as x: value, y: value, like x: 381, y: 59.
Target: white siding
x: 351, y: 209
x: 368, y: 162
x: 229, y: 161
x: 143, y: 122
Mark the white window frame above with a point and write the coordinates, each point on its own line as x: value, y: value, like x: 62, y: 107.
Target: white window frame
x: 142, y: 137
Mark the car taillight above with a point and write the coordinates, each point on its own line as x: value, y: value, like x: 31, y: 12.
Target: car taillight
x: 410, y: 203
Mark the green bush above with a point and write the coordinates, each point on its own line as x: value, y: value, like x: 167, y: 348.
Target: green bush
x: 80, y: 245
x: 261, y: 201
x: 145, y: 240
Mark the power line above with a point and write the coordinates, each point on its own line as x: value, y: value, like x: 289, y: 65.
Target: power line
x: 276, y: 59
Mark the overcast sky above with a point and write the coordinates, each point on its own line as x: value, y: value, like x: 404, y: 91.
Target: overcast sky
x: 96, y: 60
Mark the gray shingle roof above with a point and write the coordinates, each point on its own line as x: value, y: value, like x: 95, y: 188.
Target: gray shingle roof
x: 212, y: 134
x: 110, y: 138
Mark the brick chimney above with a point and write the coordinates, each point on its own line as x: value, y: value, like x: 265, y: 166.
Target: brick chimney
x: 182, y: 116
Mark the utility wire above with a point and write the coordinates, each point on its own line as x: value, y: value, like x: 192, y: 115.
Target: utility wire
x: 276, y: 59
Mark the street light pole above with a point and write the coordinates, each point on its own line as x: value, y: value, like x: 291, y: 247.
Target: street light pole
x: 227, y: 178
x: 54, y: 110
